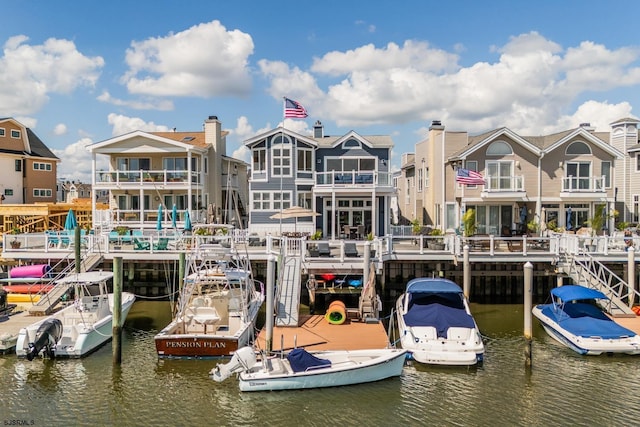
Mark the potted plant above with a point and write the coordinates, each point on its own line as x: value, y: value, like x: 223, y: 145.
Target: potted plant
x: 369, y: 238
x: 533, y: 227
x: 15, y: 243
x: 469, y: 222
x: 437, y: 243
x: 313, y: 249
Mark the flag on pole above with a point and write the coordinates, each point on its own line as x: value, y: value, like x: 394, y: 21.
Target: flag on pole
x: 293, y: 109
x: 469, y: 177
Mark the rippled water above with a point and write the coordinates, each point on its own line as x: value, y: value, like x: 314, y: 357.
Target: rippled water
x: 562, y: 388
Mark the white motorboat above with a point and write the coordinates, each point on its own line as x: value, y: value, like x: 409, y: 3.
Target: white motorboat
x: 217, y: 308
x: 301, y: 369
x: 436, y: 325
x: 80, y: 328
x: 576, y: 318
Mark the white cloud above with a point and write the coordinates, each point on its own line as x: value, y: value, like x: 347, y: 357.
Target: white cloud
x: 29, y: 74
x: 204, y: 60
x: 60, y: 129
x: 123, y: 124
x: 76, y: 161
x: 152, y: 104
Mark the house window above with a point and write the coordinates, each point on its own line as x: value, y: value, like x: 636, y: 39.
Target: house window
x: 305, y: 160
x: 281, y: 162
x: 426, y: 177
x: 42, y: 192
x: 259, y: 163
x: 499, y: 174
x: 420, y: 179
x: 408, y: 193
x: 637, y: 162
x: 261, y: 201
x: 281, y: 200
x: 2, y: 131
x: 18, y: 164
x: 304, y: 200
x: 42, y: 166
x: 577, y: 148
x: 471, y: 165
x: 579, y: 174
x: 636, y: 207
x: 605, y: 170
x: 15, y: 134
x: 499, y: 148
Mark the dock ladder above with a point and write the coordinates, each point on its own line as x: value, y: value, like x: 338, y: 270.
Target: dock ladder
x: 288, y: 295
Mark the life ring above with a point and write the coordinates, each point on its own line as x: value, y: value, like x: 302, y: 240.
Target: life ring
x: 336, y: 313
x: 636, y: 309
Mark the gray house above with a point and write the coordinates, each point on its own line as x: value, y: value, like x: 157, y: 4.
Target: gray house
x: 345, y: 180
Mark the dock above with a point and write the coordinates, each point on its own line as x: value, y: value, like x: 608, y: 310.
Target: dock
x: 314, y: 333
x: 9, y: 329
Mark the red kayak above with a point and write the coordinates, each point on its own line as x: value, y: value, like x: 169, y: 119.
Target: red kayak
x: 27, y: 288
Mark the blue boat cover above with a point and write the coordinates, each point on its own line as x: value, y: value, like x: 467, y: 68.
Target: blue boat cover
x: 585, y: 320
x: 439, y: 316
x: 576, y: 292
x: 432, y: 286
x: 301, y: 360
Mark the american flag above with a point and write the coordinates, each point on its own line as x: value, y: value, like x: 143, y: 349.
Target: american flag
x: 469, y: 177
x: 293, y: 109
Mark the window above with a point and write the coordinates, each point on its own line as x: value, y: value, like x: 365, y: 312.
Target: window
x: 578, y: 148
x: 637, y: 162
x: 305, y: 156
x: 281, y: 162
x: 133, y: 164
x: 471, y: 165
x: 499, y: 148
x: 499, y: 175
x: 2, y: 131
x: 259, y: 163
x: 636, y: 208
x: 426, y: 177
x: 18, y: 165
x: 408, y: 193
x: 579, y: 174
x: 348, y: 164
x: 15, y: 134
x: 281, y: 200
x: 271, y: 201
x: 605, y: 170
x: 42, y: 166
x: 420, y: 179
x: 304, y: 200
x: 261, y: 201
x: 42, y: 192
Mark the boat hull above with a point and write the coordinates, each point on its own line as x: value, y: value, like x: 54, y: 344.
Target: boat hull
x: 197, y: 346
x: 77, y: 340
x: 388, y: 365
x: 590, y: 346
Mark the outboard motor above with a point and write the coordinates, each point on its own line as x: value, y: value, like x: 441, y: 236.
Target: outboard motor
x: 243, y: 359
x: 47, y: 336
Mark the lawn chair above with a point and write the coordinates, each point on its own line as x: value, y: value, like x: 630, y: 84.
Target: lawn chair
x: 350, y: 250
x: 162, y: 244
x: 140, y: 246
x: 324, y: 250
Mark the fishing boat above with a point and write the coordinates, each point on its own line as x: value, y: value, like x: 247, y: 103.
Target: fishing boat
x: 301, y: 369
x: 217, y: 307
x: 436, y: 325
x: 576, y: 318
x: 82, y: 326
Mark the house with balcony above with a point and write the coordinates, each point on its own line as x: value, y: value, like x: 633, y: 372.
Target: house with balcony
x: 624, y: 136
x: 188, y: 170
x: 29, y: 166
x: 344, y: 179
x: 559, y: 179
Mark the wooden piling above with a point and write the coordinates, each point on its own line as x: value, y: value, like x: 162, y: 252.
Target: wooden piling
x: 116, y: 325
x: 528, y: 298
x: 466, y: 282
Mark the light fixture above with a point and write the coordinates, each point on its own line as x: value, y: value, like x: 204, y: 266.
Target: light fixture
x: 384, y: 162
x: 560, y: 164
x: 319, y: 161
x: 518, y: 164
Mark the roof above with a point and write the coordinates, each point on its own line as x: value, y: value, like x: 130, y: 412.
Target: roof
x: 427, y: 285
x: 38, y: 149
x: 196, y: 139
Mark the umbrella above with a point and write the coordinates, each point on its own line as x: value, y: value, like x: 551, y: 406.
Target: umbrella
x: 294, y: 212
x: 523, y: 214
x: 211, y: 211
x: 569, y: 226
x: 174, y: 216
x: 159, y: 223
x: 543, y: 221
x: 187, y: 221
x: 70, y: 223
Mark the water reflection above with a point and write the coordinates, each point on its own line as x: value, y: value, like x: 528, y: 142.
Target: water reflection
x: 562, y: 388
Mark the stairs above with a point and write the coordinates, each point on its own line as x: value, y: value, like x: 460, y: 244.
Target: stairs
x: 586, y: 271
x: 288, y: 299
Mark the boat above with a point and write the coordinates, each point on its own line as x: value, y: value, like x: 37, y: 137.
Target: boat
x: 217, y: 307
x: 82, y: 326
x: 576, y: 317
x: 435, y: 324
x: 301, y: 369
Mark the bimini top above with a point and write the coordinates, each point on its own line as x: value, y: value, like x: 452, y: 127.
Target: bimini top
x: 428, y: 285
x: 576, y: 292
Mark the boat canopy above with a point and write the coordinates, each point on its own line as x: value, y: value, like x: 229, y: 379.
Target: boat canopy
x: 428, y: 285
x: 576, y: 292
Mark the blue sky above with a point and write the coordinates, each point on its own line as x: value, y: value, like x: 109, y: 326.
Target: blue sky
x: 79, y: 72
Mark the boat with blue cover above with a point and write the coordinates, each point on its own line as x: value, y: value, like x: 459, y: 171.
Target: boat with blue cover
x: 436, y: 325
x: 577, y: 317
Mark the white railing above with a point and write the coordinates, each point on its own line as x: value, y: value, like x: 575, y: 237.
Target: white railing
x: 354, y: 178
x: 161, y: 177
x: 572, y: 184
x: 504, y: 183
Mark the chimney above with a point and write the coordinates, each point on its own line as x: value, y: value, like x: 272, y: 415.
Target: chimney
x: 213, y: 135
x: 436, y: 125
x: 318, y: 130
x: 587, y: 127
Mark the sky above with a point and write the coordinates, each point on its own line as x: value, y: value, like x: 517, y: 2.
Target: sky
x: 80, y: 72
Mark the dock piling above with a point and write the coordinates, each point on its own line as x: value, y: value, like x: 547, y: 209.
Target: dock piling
x: 528, y: 298
x: 117, y: 311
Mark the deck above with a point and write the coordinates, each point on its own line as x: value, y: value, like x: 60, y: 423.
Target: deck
x: 314, y: 333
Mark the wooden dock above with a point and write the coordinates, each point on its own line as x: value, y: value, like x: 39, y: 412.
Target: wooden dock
x: 314, y: 333
x: 9, y: 329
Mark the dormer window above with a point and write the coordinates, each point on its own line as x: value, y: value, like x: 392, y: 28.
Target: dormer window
x: 499, y: 148
x: 578, y: 148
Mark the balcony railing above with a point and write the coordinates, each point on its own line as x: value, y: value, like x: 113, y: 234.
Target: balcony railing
x: 504, y: 183
x: 572, y: 184
x: 146, y: 176
x: 353, y: 178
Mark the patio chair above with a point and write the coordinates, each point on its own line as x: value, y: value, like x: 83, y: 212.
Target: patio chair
x: 324, y: 250
x: 360, y: 231
x: 162, y: 244
x: 140, y: 246
x: 350, y: 250
x: 346, y: 231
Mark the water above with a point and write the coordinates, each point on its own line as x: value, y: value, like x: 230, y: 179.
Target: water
x: 562, y: 388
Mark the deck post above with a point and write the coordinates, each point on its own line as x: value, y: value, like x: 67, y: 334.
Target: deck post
x: 528, y: 302
x: 631, y: 274
x: 466, y: 267
x: 271, y: 264
x: 116, y: 324
x: 78, y: 256
x: 367, y: 260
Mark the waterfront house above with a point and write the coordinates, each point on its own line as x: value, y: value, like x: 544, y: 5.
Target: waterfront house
x: 624, y: 136
x: 344, y: 179
x: 187, y: 169
x: 558, y: 179
x: 29, y: 165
